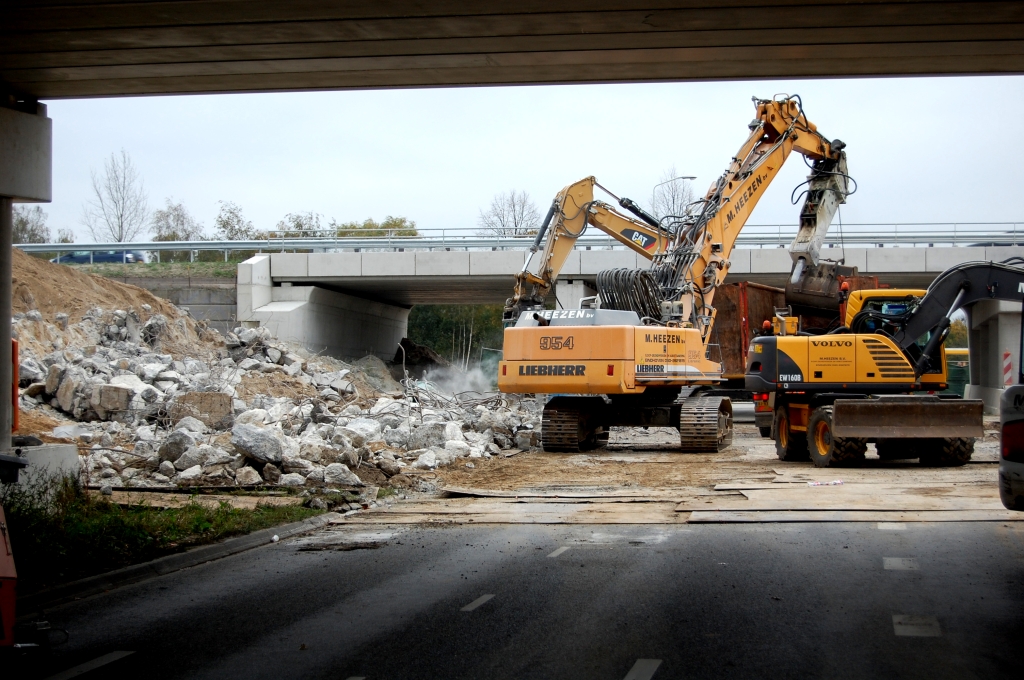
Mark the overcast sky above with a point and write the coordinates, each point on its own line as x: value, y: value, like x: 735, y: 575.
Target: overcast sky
x: 922, y: 150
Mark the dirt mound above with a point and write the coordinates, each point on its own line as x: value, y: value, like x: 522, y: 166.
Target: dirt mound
x: 55, y: 288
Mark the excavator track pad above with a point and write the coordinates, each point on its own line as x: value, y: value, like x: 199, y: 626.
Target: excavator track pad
x: 705, y: 424
x: 569, y: 429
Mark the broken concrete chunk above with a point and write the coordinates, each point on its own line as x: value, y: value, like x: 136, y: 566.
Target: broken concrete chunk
x: 459, y: 449
x: 338, y: 473
x: 246, y: 476
x: 166, y: 468
x: 427, y: 435
x: 247, y: 336
x: 191, y: 424
x: 362, y: 430
x: 193, y: 456
x: 191, y: 474
x: 176, y: 444
x: 213, y: 409
x: 397, y: 437
x: 53, y: 377
x: 74, y: 379
x: 149, y: 372
x: 292, y: 479
x: 257, y: 443
x: 29, y: 371
x: 342, y: 386
x: 248, y: 364
x: 271, y: 473
x: 426, y: 461
x: 112, y: 401
x: 453, y: 432
x: 389, y: 467
x: 131, y: 381
x: 35, y: 389
x: 256, y: 416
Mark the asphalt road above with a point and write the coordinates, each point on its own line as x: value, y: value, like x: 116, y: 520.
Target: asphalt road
x: 700, y: 601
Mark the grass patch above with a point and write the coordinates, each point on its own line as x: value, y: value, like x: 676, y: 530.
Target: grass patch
x: 60, y: 533
x: 385, y: 491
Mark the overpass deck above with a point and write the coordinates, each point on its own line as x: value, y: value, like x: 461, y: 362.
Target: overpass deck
x: 479, y: 277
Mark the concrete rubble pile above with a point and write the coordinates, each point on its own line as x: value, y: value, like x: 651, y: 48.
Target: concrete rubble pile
x: 152, y: 418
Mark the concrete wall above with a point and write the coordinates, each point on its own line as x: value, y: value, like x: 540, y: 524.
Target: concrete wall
x: 321, y: 320
x: 207, y: 300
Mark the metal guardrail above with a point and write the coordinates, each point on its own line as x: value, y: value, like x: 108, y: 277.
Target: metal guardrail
x: 754, y: 235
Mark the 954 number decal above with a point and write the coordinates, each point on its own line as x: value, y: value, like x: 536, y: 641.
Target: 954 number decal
x: 555, y: 342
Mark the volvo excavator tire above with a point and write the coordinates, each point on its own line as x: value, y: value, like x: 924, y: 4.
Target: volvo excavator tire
x: 948, y: 452
x: 827, y: 450
x: 705, y: 424
x: 789, y: 446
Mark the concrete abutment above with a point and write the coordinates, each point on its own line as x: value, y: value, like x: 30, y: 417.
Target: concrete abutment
x: 319, y: 319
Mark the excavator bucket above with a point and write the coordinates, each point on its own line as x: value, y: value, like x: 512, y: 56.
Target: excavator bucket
x: 907, y: 417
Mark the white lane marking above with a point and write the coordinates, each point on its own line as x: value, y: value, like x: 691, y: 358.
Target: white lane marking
x: 892, y: 526
x: 476, y: 603
x: 89, y: 665
x: 558, y: 552
x: 900, y: 563
x: 643, y: 669
x: 908, y: 625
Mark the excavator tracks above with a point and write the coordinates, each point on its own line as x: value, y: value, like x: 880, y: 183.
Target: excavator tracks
x: 705, y: 424
x: 560, y: 430
x: 580, y: 424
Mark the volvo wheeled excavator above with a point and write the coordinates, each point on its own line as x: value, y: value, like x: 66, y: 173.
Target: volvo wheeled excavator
x: 642, y: 353
x: 875, y: 378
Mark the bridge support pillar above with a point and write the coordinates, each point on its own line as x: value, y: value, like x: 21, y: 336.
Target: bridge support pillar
x: 321, y: 320
x: 26, y: 159
x: 994, y: 331
x: 569, y: 292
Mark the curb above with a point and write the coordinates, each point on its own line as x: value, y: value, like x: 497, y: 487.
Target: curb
x: 33, y: 604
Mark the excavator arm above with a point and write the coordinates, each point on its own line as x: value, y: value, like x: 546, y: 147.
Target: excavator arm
x: 572, y: 211
x: 698, y: 259
x: 690, y: 253
x: 957, y: 287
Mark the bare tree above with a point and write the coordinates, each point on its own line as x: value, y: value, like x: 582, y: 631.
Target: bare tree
x: 30, y: 225
x: 511, y: 214
x: 119, y: 209
x: 672, y: 195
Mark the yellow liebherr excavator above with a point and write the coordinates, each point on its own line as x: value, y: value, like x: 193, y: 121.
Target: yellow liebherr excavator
x: 643, y: 349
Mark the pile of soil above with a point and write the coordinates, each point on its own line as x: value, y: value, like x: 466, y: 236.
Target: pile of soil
x: 54, y: 288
